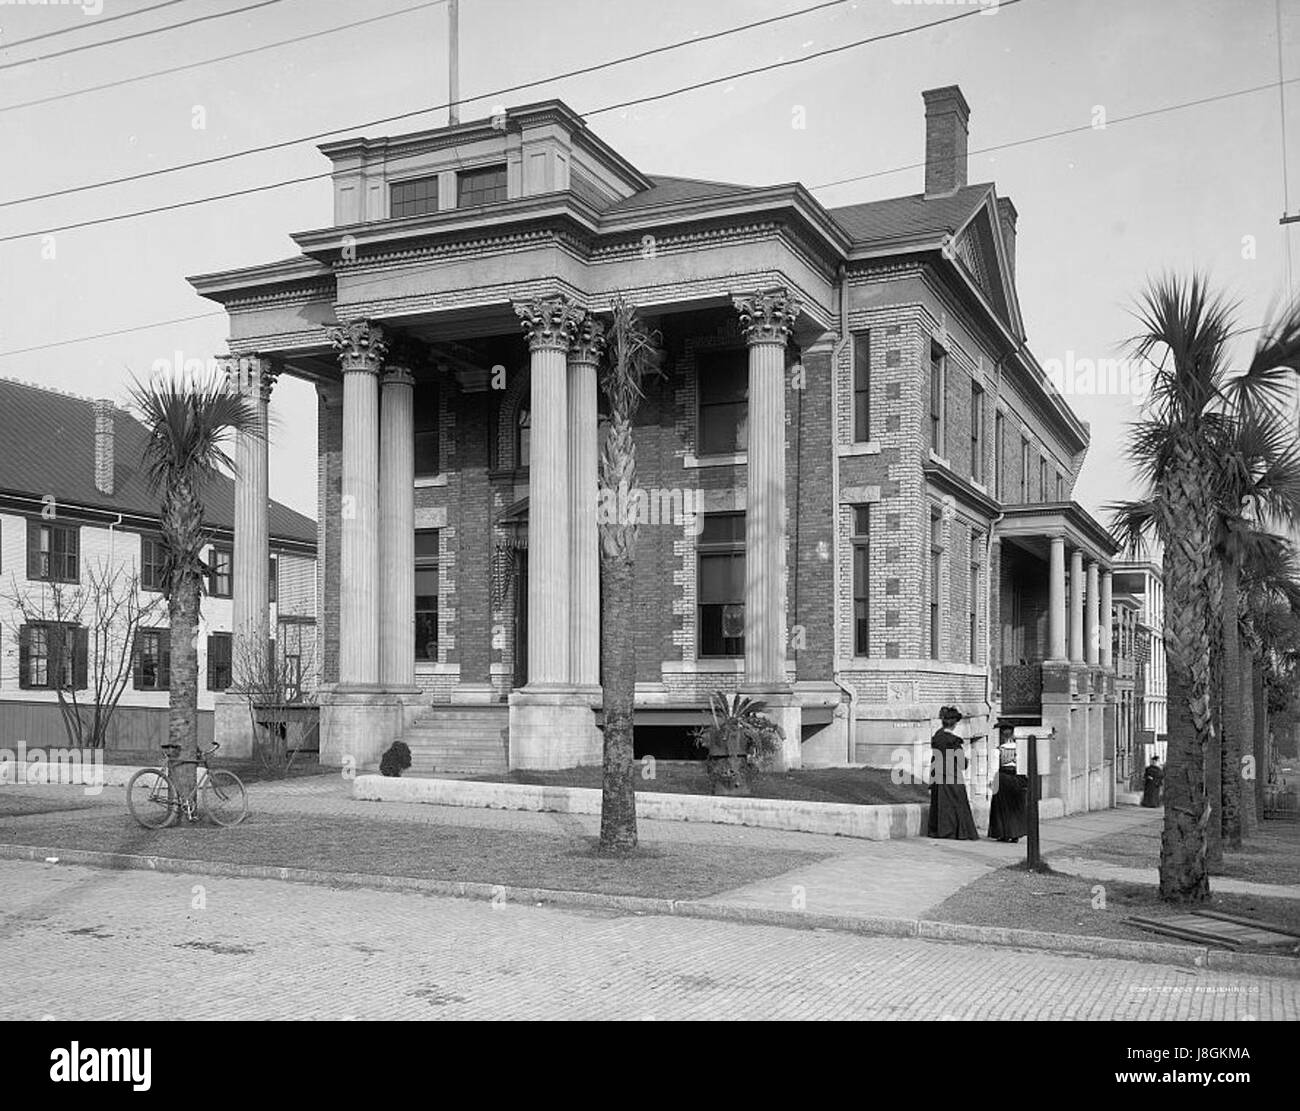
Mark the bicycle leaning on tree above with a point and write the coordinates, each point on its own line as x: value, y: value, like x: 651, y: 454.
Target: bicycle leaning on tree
x: 155, y: 800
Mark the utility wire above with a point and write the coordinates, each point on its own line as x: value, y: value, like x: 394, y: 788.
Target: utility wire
x: 137, y: 35
x: 88, y: 26
x: 221, y: 58
x: 827, y: 185
x: 464, y: 100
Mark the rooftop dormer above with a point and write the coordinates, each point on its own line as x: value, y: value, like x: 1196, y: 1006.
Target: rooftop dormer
x: 523, y: 152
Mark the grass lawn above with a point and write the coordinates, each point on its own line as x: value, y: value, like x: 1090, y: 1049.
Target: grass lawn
x: 1270, y: 855
x: 1063, y: 904
x: 514, y: 858
x: 862, y: 786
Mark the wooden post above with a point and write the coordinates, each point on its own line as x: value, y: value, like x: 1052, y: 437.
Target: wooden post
x: 1033, y: 859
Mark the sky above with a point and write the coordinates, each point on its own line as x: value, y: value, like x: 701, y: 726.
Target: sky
x: 1101, y: 209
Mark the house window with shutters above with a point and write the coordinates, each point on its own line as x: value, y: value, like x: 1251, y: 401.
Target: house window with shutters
x: 221, y: 572
x: 151, y: 563
x: 53, y: 552
x: 153, y: 660
x: 219, y: 661
x: 52, y: 656
x: 721, y: 569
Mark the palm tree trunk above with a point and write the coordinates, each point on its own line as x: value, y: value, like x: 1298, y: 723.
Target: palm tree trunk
x: 1260, y: 699
x: 1233, y: 717
x: 1246, y: 695
x: 1183, y: 875
x: 618, y: 796
x: 183, y: 700
x: 1213, y: 741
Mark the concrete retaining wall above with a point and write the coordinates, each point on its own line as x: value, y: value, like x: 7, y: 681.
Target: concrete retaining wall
x: 871, y: 823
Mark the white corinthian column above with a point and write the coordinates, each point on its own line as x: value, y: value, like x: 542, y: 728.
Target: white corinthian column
x: 397, y: 526
x: 550, y: 323
x: 252, y: 378
x: 766, y: 320
x: 361, y: 347
x: 584, y: 553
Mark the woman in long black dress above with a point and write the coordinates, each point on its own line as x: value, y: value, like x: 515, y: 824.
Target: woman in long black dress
x: 1152, y: 780
x: 1008, y: 820
x: 950, y: 814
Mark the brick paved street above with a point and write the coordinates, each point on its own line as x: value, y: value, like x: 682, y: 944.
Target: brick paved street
x: 82, y: 943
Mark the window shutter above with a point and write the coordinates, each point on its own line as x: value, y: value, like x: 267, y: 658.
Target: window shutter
x: 212, y: 655
x: 33, y: 549
x: 80, y: 656
x: 24, y: 656
x: 165, y: 660
x: 137, y: 669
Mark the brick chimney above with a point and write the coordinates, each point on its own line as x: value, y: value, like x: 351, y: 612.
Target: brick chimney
x: 104, y: 436
x: 1007, y: 218
x: 946, y: 133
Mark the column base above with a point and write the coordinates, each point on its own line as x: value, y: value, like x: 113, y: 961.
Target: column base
x: 357, y: 724
x: 784, y: 709
x: 232, y: 728
x: 553, y: 726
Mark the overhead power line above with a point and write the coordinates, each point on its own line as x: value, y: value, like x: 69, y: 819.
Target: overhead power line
x: 317, y: 136
x: 92, y: 26
x: 115, y: 332
x: 136, y: 35
x: 220, y: 58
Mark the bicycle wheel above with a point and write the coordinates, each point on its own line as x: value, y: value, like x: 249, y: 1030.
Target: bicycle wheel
x: 221, y: 795
x: 152, y: 798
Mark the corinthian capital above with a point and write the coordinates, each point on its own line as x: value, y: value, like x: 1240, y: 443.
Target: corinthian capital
x: 767, y: 317
x: 361, y: 345
x: 588, y: 342
x: 251, y: 376
x: 550, y: 323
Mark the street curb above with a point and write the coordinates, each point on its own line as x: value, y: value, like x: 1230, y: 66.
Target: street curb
x: 1186, y: 956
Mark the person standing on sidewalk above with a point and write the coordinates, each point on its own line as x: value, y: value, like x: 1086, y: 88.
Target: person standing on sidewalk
x: 1007, y: 817
x: 950, y: 813
x: 1152, y: 781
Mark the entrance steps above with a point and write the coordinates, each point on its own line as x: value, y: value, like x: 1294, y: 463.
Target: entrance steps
x: 459, y: 740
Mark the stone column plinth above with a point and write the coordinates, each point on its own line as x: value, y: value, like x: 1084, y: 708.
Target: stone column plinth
x: 584, y: 554
x: 1056, y: 613
x: 361, y: 346
x: 766, y: 320
x: 1076, y: 607
x: 397, y: 530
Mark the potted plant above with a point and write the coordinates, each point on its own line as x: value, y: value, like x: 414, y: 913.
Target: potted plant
x: 739, y: 743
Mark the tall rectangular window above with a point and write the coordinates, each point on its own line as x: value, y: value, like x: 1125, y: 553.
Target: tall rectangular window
x: 426, y: 594
x: 153, y: 660
x: 862, y: 387
x: 861, y: 542
x: 973, y: 603
x: 1042, y: 478
x: 52, y: 655
x: 53, y: 552
x: 976, y: 432
x: 723, y: 378
x: 721, y: 585
x: 273, y: 579
x: 1024, y: 470
x: 936, y: 581
x: 221, y: 573
x: 220, y: 665
x: 151, y: 563
x: 938, y: 398
x: 1060, y: 486
x: 413, y: 198
x: 427, y: 444
x: 999, y: 446
x: 480, y: 186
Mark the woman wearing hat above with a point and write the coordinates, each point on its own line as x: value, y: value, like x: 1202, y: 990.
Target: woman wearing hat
x: 1008, y: 820
x: 950, y: 814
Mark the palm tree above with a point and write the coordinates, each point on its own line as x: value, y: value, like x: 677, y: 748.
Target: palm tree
x: 632, y: 355
x: 1177, y: 448
x: 188, y: 422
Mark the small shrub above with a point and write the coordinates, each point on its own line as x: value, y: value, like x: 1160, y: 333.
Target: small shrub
x: 739, y: 743
x: 396, y: 760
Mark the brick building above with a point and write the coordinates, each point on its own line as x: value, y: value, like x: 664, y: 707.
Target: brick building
x: 856, y: 478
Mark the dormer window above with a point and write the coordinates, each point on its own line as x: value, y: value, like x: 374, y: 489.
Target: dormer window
x: 413, y: 198
x: 482, y: 186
